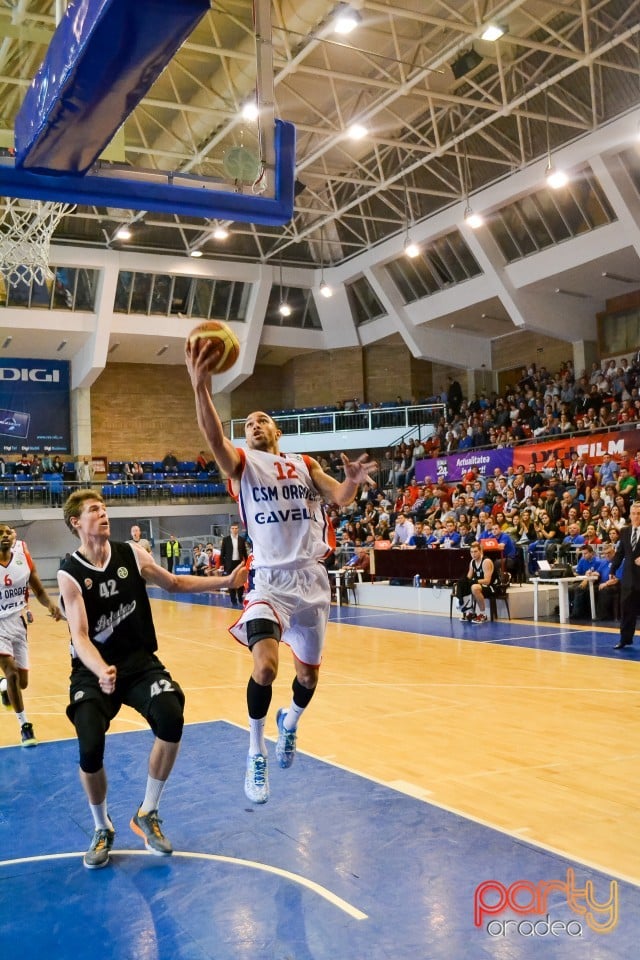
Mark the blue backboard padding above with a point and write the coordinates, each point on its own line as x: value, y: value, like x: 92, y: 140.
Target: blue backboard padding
x: 166, y: 197
x: 103, y: 58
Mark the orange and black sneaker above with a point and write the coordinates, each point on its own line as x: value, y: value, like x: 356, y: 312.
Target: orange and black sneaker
x: 147, y: 826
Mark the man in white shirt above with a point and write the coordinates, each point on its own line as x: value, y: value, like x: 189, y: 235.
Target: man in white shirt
x: 403, y: 532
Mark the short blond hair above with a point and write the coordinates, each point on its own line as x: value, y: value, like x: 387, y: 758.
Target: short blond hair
x: 74, y: 505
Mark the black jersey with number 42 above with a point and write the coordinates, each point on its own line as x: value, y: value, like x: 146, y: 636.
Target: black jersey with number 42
x: 116, y: 601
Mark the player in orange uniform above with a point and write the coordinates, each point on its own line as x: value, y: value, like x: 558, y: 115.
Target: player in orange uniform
x: 17, y: 575
x: 280, y: 497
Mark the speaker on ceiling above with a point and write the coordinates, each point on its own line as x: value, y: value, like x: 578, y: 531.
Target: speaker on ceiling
x: 465, y: 63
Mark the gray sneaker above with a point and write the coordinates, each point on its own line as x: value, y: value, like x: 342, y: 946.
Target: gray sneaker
x: 256, y: 779
x: 286, y: 743
x: 147, y: 826
x: 98, y: 853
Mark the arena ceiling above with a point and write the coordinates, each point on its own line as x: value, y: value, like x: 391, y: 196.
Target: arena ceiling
x: 447, y: 116
x: 446, y: 112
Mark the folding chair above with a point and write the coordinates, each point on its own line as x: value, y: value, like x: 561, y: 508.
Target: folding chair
x: 500, y: 592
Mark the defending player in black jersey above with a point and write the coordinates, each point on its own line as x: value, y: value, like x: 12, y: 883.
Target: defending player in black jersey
x: 113, y: 650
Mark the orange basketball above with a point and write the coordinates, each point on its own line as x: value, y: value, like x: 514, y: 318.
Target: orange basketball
x: 219, y: 331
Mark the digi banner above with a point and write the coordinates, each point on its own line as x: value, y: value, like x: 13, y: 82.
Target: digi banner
x: 34, y: 406
x: 621, y: 444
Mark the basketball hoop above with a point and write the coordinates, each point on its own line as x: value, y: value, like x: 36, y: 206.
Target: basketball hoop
x: 26, y: 229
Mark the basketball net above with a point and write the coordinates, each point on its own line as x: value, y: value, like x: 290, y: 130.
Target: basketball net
x: 26, y: 229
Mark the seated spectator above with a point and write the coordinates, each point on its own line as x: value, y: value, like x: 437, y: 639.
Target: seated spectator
x: 589, y: 569
x: 403, y: 531
x: 621, y: 504
x: 627, y: 485
x: 478, y: 584
x: 137, y: 471
x: 570, y: 544
x: 451, y: 536
x: 607, y: 471
x: 617, y: 520
x: 360, y: 561
x: 608, y: 596
x: 200, y: 562
x: 509, y: 549
x: 22, y: 467
x: 418, y: 541
x: 170, y: 463
x: 591, y: 535
x: 126, y: 473
x: 547, y: 541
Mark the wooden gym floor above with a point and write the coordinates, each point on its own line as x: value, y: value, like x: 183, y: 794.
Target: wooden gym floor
x: 532, y: 730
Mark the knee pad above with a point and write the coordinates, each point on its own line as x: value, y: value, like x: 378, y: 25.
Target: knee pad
x: 262, y: 629
x: 91, y: 727
x: 166, y: 715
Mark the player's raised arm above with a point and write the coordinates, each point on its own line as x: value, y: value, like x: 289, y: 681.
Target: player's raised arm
x: 201, y: 357
x: 153, y: 573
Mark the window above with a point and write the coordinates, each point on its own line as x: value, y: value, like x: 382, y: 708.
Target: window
x: 444, y: 262
x: 165, y: 295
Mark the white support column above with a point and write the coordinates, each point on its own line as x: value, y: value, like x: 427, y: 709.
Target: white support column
x: 81, y: 422
x: 90, y: 361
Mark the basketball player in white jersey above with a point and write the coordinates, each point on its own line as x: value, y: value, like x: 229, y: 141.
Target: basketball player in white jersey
x: 280, y: 498
x: 18, y: 574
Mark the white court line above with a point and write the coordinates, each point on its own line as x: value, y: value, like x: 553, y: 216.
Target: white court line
x: 252, y: 864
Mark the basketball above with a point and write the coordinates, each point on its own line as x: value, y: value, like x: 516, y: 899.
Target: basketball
x: 220, y: 332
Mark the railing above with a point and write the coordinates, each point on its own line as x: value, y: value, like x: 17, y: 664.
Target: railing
x: 33, y: 493
x: 334, y: 421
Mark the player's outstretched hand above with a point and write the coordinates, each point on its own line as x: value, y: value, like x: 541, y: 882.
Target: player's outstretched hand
x: 358, y: 470
x: 238, y: 577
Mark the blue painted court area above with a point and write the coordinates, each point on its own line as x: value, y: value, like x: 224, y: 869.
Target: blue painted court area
x: 334, y: 867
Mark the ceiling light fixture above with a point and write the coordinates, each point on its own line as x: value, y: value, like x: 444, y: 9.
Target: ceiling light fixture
x: 493, y: 32
x: 123, y: 233
x: 556, y: 179
x: 220, y: 233
x: 573, y: 293
x: 346, y: 21
x: 284, y: 308
x: 357, y: 131
x: 411, y: 249
x: 325, y: 289
x: 250, y: 111
x: 473, y: 220
x: 195, y: 253
x: 619, y: 277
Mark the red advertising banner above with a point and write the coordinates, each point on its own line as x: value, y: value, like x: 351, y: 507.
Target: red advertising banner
x: 621, y: 444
